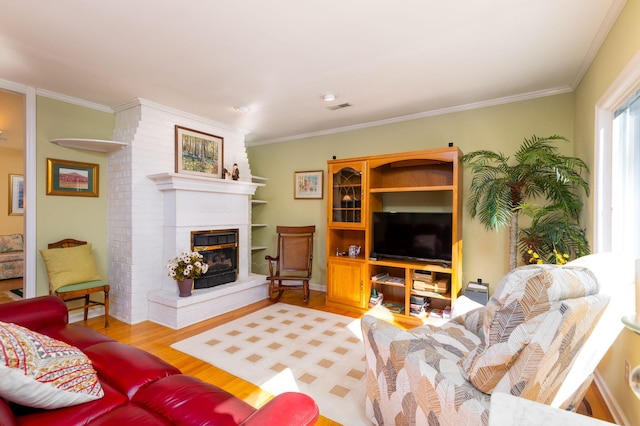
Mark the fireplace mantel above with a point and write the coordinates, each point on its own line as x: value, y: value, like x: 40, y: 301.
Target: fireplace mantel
x: 197, y: 203
x: 184, y: 182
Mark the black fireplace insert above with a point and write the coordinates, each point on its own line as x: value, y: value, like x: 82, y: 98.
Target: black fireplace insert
x: 219, y: 250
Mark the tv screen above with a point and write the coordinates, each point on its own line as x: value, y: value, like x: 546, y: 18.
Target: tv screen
x: 417, y: 235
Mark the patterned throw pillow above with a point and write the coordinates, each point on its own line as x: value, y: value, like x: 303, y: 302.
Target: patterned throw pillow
x: 41, y: 372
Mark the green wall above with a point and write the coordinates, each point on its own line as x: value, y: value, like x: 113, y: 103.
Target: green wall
x: 499, y: 128
x: 58, y: 217
x: 622, y: 43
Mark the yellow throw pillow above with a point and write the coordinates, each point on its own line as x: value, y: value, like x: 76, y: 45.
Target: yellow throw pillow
x: 69, y: 265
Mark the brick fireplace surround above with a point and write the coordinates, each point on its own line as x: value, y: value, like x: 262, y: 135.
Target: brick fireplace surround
x: 152, y: 211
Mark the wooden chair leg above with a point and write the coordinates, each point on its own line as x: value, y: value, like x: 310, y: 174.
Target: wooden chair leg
x: 305, y: 291
x: 86, y: 307
x: 106, y: 309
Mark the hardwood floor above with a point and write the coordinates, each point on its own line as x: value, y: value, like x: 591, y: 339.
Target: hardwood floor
x: 157, y: 339
x: 6, y: 285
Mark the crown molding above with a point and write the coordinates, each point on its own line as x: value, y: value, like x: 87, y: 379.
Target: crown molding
x: 11, y: 86
x: 71, y: 100
x: 425, y: 114
x: 599, y: 39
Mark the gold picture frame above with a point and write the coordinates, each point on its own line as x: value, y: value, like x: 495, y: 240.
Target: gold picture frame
x: 72, y: 178
x: 16, y: 195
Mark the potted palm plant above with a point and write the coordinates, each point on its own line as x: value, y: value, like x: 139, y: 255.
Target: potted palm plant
x: 501, y: 189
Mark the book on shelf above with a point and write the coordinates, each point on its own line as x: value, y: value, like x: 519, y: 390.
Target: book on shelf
x: 418, y: 300
x: 395, y: 308
x: 425, y: 276
x: 379, y: 277
x: 438, y: 286
x: 427, y: 293
x: 419, y: 314
x: 417, y: 307
x: 440, y: 313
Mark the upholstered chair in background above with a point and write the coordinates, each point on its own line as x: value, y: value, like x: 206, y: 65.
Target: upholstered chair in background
x: 72, y: 274
x: 523, y: 343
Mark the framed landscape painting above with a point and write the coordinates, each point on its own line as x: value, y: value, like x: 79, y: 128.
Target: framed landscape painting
x: 198, y: 153
x: 72, y: 178
x: 307, y: 185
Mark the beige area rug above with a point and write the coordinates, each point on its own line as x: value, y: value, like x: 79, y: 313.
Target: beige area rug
x: 289, y: 348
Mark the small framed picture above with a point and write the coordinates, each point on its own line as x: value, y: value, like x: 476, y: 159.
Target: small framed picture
x: 307, y: 184
x: 72, y: 178
x: 16, y: 195
x: 198, y: 153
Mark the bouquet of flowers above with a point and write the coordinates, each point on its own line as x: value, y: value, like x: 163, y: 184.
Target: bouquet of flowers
x: 188, y: 265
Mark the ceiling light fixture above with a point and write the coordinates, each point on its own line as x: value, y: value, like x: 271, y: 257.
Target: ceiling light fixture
x: 329, y: 96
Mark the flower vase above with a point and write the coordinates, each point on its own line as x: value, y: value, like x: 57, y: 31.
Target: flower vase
x: 184, y: 287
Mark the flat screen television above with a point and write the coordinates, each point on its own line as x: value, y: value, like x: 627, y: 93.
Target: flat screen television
x: 422, y: 236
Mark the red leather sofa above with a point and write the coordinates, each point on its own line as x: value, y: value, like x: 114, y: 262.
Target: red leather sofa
x: 139, y: 388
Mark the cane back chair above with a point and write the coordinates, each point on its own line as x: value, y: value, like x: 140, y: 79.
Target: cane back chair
x: 290, y: 269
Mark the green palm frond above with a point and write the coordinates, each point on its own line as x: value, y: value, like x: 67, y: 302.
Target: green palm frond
x: 501, y: 186
x: 552, y: 229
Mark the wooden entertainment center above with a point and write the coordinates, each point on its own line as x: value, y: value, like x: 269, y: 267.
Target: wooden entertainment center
x: 428, y: 180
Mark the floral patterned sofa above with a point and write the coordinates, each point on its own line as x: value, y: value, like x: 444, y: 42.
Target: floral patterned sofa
x: 11, y: 256
x: 522, y: 343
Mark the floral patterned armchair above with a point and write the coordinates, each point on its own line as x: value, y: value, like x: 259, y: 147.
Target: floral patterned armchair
x: 523, y: 343
x: 11, y: 256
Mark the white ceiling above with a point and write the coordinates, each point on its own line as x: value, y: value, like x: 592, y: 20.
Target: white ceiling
x: 389, y: 59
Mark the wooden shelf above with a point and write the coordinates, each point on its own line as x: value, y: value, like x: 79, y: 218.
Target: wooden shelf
x: 257, y: 202
x: 89, y: 144
x: 389, y: 283
x: 420, y: 266
x: 256, y: 248
x: 413, y: 189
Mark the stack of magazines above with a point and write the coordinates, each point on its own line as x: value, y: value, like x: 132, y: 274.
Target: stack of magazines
x: 418, y: 306
x: 375, y: 299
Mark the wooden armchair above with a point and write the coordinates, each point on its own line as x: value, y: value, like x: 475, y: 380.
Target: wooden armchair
x: 292, y: 262
x: 73, y: 275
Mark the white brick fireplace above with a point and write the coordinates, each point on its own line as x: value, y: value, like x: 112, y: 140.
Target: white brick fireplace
x: 153, y: 210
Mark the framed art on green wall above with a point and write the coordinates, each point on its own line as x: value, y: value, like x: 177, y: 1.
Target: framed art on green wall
x: 307, y: 184
x: 72, y: 178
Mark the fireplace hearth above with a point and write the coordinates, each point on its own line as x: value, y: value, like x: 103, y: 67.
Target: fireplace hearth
x: 219, y: 249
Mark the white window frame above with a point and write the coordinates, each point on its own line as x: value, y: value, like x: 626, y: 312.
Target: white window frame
x: 623, y: 87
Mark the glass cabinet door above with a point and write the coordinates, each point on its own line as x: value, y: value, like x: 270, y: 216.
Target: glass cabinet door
x: 346, y: 194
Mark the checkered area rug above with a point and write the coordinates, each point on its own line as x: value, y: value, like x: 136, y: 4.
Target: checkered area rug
x: 289, y: 348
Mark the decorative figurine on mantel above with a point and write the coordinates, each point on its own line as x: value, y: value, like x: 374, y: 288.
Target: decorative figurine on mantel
x: 235, y: 173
